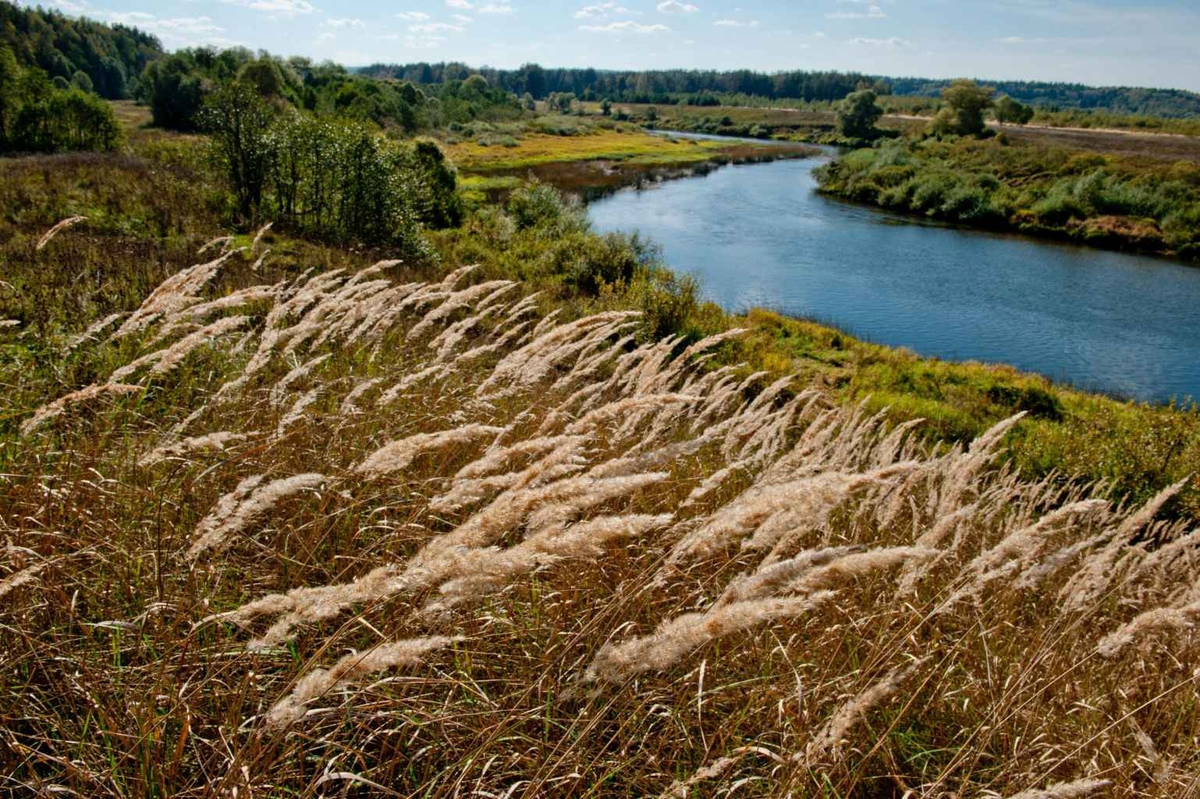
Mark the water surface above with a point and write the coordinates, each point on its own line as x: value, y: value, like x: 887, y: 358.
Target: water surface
x: 760, y: 235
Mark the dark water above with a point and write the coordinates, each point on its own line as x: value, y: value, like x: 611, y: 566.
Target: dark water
x: 760, y: 235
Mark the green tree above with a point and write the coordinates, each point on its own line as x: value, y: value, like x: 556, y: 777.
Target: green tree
x: 10, y: 80
x: 965, y: 101
x: 240, y: 120
x: 81, y: 81
x: 529, y: 103
x: 175, y: 87
x: 857, y: 115
x: 606, y: 107
x: 1010, y: 111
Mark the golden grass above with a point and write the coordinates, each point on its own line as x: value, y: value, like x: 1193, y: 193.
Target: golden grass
x: 585, y: 566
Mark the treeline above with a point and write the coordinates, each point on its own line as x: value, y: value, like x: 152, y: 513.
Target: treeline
x: 109, y: 57
x: 38, y: 116
x: 176, y: 87
x: 661, y: 86
x: 1170, y: 103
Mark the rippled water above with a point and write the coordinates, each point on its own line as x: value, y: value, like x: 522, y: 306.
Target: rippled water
x: 760, y: 235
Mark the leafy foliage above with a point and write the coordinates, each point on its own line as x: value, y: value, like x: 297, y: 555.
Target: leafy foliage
x: 112, y: 57
x: 37, y: 116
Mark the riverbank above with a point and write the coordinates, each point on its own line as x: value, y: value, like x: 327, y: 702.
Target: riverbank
x: 1089, y: 198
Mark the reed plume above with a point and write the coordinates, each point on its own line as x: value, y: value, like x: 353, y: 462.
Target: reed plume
x: 238, y: 509
x: 58, y: 228
x: 397, y: 455
x: 55, y: 408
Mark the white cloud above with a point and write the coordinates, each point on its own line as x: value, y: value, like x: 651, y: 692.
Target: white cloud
x: 603, y: 10
x: 188, y: 30
x: 494, y: 8
x: 428, y: 28
x: 344, y: 23
x: 413, y: 16
x: 326, y: 36
x: 68, y: 7
x: 463, y: 18
x: 893, y: 41
x: 628, y: 26
x: 286, y: 8
x: 463, y: 5
x: 1012, y: 40
x: 676, y: 7
x: 734, y: 23
x: 873, y: 12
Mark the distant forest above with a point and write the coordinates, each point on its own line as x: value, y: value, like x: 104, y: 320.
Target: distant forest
x: 703, y: 87
x: 112, y: 56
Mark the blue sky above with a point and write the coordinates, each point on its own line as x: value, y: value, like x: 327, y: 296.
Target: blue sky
x: 1099, y: 42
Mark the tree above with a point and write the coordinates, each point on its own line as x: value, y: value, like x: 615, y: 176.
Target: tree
x: 606, y: 107
x: 175, y: 87
x: 10, y: 78
x: 239, y: 119
x: 1011, y: 111
x: 81, y: 81
x: 963, y: 114
x: 529, y: 103
x: 857, y: 115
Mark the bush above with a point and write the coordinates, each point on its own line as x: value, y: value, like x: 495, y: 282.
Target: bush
x: 35, y: 116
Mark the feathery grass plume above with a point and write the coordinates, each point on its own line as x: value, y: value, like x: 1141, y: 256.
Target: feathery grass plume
x: 828, y: 742
x: 450, y: 282
x: 448, y: 340
x: 1178, y: 617
x: 93, y: 329
x: 1025, y: 544
x: 398, y: 455
x: 175, y: 354
x: 855, y: 564
x: 1079, y: 789
x: 54, y: 231
x: 1097, y: 572
x: 394, y: 393
x: 676, y: 638
x: 508, y: 339
x: 258, y: 237
x: 481, y: 572
x: 20, y: 578
x: 296, y: 412
x: 6, y: 323
x: 681, y: 789
x: 262, y: 259
x: 172, y: 295
x: 164, y: 360
x: 537, y: 359
x: 569, y: 498
x: 807, y: 501
x: 279, y: 390
x: 219, y: 241
x: 963, y: 469
x: 53, y: 409
x: 194, y: 313
x: 349, y: 405
x: 349, y: 669
x: 715, y: 481
x: 213, y: 442
x: 527, y: 305
x: 622, y: 408
x: 238, y: 509
x: 774, y: 578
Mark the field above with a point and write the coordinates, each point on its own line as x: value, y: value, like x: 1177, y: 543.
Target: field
x: 299, y: 520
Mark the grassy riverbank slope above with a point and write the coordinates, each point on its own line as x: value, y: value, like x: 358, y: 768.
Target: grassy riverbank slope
x: 421, y: 532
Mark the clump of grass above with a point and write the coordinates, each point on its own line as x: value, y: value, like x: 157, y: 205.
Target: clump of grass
x: 613, y: 541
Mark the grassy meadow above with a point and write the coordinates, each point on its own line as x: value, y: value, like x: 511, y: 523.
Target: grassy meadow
x: 527, y: 518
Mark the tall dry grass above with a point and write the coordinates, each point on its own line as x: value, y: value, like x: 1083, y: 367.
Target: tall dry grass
x: 492, y: 553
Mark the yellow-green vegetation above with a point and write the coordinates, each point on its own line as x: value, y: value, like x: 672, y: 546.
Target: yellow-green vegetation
x: 630, y: 146
x: 1097, y: 199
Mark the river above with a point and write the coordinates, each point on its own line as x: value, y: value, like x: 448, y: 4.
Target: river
x: 760, y: 235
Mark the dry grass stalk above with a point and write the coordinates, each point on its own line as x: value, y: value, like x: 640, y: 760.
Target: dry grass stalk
x: 172, y: 295
x: 1078, y: 789
x: 397, y: 455
x: 296, y: 412
x: 279, y: 390
x: 350, y: 668
x: 827, y: 743
x: 53, y: 409
x: 238, y: 509
x: 58, y: 228
x: 676, y: 638
x: 212, y: 442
